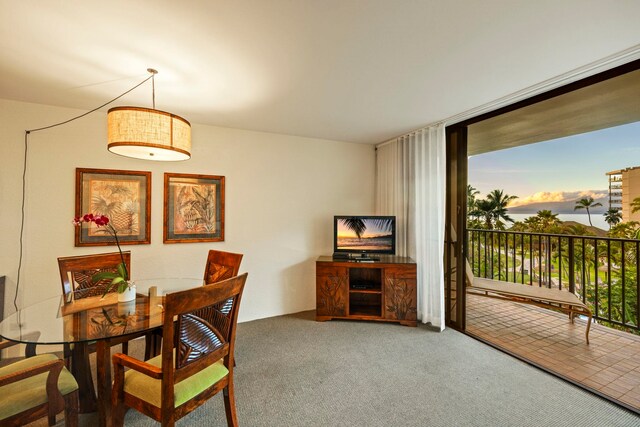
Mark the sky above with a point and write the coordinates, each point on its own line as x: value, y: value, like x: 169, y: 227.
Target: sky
x: 560, y: 169
x: 372, y: 230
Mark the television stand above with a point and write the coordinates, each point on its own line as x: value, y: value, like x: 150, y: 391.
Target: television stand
x: 383, y: 290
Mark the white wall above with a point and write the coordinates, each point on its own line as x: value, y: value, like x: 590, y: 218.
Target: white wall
x: 281, y: 194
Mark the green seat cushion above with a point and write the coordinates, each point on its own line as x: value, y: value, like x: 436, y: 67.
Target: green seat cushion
x: 149, y: 389
x: 30, y: 392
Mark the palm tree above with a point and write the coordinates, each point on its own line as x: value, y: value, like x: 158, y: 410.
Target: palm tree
x: 544, y: 221
x: 484, y: 209
x: 471, y: 198
x: 358, y: 226
x: 635, y: 205
x: 548, y: 219
x: 493, y: 209
x: 586, y: 203
x: 519, y: 226
x: 547, y: 215
x: 500, y: 201
x: 625, y: 230
x: 613, y: 216
x: 577, y: 230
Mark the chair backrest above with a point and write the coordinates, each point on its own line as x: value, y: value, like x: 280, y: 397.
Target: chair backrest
x: 76, y: 273
x: 221, y: 265
x: 468, y: 273
x: 204, y: 332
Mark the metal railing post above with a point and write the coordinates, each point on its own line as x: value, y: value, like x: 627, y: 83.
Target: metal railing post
x: 572, y: 278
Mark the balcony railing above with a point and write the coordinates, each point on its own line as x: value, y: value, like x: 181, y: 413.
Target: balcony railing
x: 602, y: 271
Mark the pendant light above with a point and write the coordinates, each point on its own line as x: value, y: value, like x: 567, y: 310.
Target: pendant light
x: 147, y: 133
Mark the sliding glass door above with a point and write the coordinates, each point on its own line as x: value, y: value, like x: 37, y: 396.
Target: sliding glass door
x: 455, y: 215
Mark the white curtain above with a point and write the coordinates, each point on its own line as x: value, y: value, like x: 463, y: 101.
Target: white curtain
x: 410, y: 184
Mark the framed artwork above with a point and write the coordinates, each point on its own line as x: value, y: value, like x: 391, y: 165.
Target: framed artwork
x: 193, y: 208
x: 123, y: 196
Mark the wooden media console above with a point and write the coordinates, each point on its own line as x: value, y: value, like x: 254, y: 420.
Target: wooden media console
x: 383, y: 290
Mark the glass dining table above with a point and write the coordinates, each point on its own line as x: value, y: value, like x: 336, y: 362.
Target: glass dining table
x: 81, y: 322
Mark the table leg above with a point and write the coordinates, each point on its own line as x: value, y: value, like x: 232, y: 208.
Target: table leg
x: 81, y: 370
x: 103, y: 367
x: 30, y: 351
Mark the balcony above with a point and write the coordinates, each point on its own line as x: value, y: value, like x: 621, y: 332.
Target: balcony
x: 608, y: 365
x: 601, y: 271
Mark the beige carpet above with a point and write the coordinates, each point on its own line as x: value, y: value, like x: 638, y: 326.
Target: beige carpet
x: 293, y: 371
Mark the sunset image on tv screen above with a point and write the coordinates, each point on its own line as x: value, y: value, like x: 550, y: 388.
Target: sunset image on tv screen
x: 359, y: 234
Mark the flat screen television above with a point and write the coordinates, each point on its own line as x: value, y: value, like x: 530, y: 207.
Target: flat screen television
x: 364, y: 235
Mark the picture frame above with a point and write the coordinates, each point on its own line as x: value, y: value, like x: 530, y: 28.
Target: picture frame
x: 122, y: 195
x: 193, y: 208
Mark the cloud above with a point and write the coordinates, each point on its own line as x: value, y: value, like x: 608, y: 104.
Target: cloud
x: 558, y: 196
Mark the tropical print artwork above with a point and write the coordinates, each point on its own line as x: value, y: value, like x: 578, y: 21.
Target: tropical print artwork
x: 120, y: 201
x: 194, y: 208
x: 122, y: 196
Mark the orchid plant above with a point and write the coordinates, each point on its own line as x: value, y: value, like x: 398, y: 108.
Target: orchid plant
x: 119, y: 278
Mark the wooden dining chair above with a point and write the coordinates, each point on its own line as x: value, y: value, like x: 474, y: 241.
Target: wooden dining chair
x: 221, y: 265
x: 76, y: 273
x: 37, y: 387
x: 29, y: 338
x: 5, y: 343
x: 196, y: 360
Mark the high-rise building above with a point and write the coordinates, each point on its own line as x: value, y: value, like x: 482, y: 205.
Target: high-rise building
x: 624, y: 187
x: 615, y: 189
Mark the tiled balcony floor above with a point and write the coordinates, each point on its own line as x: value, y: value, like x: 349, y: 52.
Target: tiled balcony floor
x: 610, y: 364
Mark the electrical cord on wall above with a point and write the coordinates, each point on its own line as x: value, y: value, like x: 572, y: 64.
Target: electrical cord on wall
x: 24, y: 170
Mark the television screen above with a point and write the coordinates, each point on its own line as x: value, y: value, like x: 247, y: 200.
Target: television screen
x: 365, y: 234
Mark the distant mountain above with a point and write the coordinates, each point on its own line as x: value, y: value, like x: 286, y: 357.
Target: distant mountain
x: 593, y: 230
x: 560, y: 207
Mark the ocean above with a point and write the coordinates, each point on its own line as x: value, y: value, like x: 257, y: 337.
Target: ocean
x: 596, y: 219
x: 366, y: 243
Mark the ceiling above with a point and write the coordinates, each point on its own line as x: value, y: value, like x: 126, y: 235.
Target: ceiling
x: 360, y: 71
x: 610, y: 103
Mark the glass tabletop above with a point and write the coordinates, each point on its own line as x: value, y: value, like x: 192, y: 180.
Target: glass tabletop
x: 60, y: 320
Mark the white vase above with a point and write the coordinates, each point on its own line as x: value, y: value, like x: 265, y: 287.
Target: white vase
x: 129, y: 294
